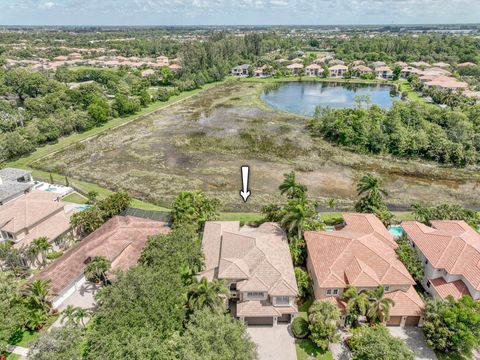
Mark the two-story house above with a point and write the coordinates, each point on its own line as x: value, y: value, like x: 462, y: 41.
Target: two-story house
x: 337, y: 71
x: 450, y: 252
x: 256, y: 266
x: 362, y: 255
x: 33, y: 215
x: 14, y: 183
x: 241, y: 70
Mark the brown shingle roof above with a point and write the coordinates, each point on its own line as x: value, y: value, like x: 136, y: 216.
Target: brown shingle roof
x: 121, y: 240
x: 450, y: 245
x: 361, y: 254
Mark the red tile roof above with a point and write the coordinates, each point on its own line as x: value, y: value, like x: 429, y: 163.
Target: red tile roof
x: 361, y: 254
x: 407, y: 303
x: 121, y: 240
x: 450, y: 245
x: 444, y: 289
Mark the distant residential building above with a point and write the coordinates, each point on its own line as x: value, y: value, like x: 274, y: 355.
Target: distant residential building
x: 420, y: 64
x: 257, y: 267
x: 362, y: 255
x: 263, y: 71
x: 313, y: 70
x: 14, y: 183
x: 121, y: 240
x: 147, y: 72
x: 241, y: 70
x: 33, y: 215
x: 466, y: 64
x: 384, y: 72
x: 360, y: 70
x: 450, y: 253
x: 441, y: 65
x: 337, y: 71
x: 377, y: 64
x: 409, y: 71
x: 295, y: 68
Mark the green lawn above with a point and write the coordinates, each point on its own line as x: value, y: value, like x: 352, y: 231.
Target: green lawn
x: 23, y: 337
x: 242, y: 217
x: 75, y: 198
x: 11, y: 356
x: 305, y: 348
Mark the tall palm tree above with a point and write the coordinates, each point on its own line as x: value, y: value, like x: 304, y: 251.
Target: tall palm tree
x: 296, y: 215
x: 96, y: 269
x: 38, y: 293
x: 43, y: 246
x: 205, y: 294
x: 379, y: 305
x: 370, y: 185
x: 290, y: 186
x: 327, y: 310
x: 74, y: 315
x: 357, y: 304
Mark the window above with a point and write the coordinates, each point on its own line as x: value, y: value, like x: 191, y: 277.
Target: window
x: 335, y: 291
x: 282, y: 300
x: 428, y: 283
x: 387, y: 288
x: 332, y: 291
x: 255, y: 295
x: 7, y: 236
x: 426, y: 261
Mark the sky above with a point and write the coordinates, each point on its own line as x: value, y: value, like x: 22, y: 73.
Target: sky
x: 237, y: 12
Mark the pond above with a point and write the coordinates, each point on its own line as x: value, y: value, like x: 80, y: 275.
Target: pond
x: 303, y: 97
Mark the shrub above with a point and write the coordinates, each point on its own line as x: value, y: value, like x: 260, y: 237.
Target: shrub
x: 54, y: 255
x: 300, y: 328
x: 303, y: 282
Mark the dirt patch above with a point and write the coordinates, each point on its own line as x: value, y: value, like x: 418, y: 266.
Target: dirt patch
x: 201, y: 143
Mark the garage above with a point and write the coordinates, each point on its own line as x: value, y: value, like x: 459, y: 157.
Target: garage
x: 259, y: 320
x: 412, y: 321
x: 394, y: 321
x: 285, y: 318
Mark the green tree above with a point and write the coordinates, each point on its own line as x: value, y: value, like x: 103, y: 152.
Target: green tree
x: 194, y: 209
x: 96, y: 270
x: 323, y: 317
x: 212, y: 336
x: 379, y: 306
x: 60, y: 343
x: 453, y: 325
x: 373, y: 343
x: 12, y: 309
x: 300, y: 215
x: 410, y: 258
x: 87, y: 221
x: 357, y: 304
x: 37, y: 293
x: 42, y: 246
x: 371, y: 198
x: 99, y: 112
x: 425, y: 214
x: 291, y: 188
x: 208, y: 294
x: 303, y: 283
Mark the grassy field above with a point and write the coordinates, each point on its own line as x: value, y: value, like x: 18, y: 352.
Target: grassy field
x: 307, y: 350
x: 75, y: 198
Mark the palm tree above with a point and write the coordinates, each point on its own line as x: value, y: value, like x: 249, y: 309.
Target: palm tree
x: 43, y: 246
x: 332, y: 203
x: 327, y: 310
x: 205, y: 294
x: 290, y: 187
x: 32, y: 252
x: 370, y: 185
x: 38, y: 293
x: 357, y: 304
x: 96, y: 269
x: 379, y: 305
x: 74, y: 315
x: 295, y: 217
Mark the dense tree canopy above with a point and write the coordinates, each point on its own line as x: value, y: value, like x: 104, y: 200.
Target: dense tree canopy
x: 407, y: 130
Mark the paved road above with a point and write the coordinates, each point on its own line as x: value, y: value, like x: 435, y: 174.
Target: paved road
x: 274, y: 342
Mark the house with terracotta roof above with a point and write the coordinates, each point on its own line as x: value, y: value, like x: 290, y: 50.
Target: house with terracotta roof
x: 121, y: 240
x: 240, y: 70
x: 33, y: 215
x: 295, y: 68
x: 409, y: 71
x: 313, y: 70
x: 14, y: 183
x: 384, y: 72
x: 450, y: 252
x: 362, y: 255
x: 337, y: 71
x: 360, y: 70
x: 256, y: 266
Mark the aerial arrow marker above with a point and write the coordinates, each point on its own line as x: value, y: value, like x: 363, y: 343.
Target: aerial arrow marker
x: 245, y: 192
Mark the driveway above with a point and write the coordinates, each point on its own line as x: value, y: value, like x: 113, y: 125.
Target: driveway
x: 82, y: 297
x: 274, y: 342
x: 415, y: 340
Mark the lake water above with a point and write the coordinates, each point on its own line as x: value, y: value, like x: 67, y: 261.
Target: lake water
x: 303, y: 97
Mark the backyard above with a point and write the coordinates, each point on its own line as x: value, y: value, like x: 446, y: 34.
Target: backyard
x: 200, y: 144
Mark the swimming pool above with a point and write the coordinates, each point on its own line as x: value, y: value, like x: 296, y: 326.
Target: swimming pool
x: 396, y: 231
x: 82, y: 207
